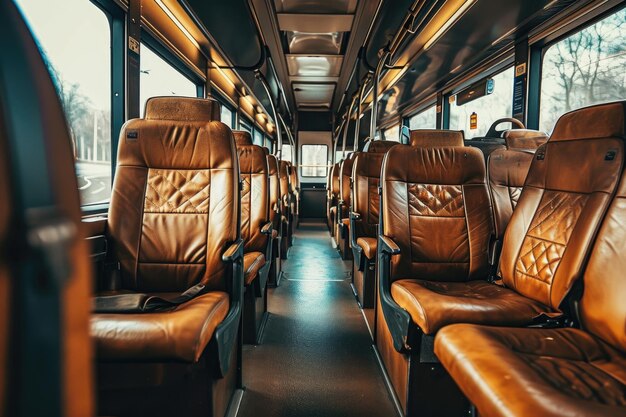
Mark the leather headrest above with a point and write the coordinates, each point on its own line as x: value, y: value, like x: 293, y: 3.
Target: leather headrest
x: 267, y: 151
x: 187, y: 109
x: 601, y: 121
x: 435, y: 138
x: 379, y: 146
x: 242, y: 138
x: 524, y: 138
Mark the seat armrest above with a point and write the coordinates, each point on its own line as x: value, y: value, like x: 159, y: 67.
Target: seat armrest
x: 388, y: 246
x: 267, y: 229
x: 398, y: 320
x: 227, y: 331
x: 234, y: 251
x: 357, y: 250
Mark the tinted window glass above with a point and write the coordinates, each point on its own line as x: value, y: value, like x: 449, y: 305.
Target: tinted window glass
x: 486, y: 109
x: 426, y: 119
x: 159, y: 78
x: 76, y: 44
x: 583, y: 69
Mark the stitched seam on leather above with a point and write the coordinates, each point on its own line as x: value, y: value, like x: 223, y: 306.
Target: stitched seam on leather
x: 162, y: 174
x: 140, y: 239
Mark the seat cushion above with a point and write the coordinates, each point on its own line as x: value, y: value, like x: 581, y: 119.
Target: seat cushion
x: 252, y: 263
x: 534, y: 372
x: 369, y: 245
x: 180, y: 334
x: 433, y: 305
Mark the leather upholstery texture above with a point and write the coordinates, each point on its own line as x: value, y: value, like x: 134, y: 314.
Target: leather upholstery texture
x: 254, y: 175
x: 436, y: 208
x: 379, y: 146
x: 180, y: 334
x: 186, y: 109
x: 507, y: 169
x: 365, y: 197
x: 426, y: 138
x: 565, y: 371
x: 433, y: 305
x: 173, y: 207
x: 559, y: 211
x: 534, y: 372
x: 369, y: 246
x: 252, y: 263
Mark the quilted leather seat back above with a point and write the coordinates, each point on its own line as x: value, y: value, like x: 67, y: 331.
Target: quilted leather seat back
x: 569, y: 186
x: 366, y: 179
x: 174, y: 203
x: 507, y: 169
x: 254, y: 174
x: 436, y: 208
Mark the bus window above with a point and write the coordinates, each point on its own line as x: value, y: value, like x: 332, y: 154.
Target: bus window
x: 314, y: 162
x: 392, y: 134
x: 487, y: 109
x: 426, y: 119
x: 286, y: 153
x: 245, y: 126
x: 226, y: 116
x: 583, y: 69
x: 257, y: 139
x: 83, y: 82
x: 159, y: 78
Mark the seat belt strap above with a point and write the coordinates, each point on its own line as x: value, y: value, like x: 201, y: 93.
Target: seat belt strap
x: 142, y: 303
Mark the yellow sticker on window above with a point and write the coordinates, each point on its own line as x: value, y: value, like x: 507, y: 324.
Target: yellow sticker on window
x: 474, y: 121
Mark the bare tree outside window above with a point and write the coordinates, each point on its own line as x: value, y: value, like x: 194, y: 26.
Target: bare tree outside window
x: 583, y: 69
x: 427, y: 119
x: 77, y: 49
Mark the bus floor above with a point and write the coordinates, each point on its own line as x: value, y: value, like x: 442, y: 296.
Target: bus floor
x: 316, y: 356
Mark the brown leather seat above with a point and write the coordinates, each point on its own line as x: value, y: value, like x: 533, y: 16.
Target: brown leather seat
x: 507, y: 169
x: 26, y: 386
x: 342, y: 232
x: 254, y: 174
x: 365, y: 208
x: 436, y: 208
x: 566, y: 371
x: 285, y: 208
x: 545, y: 244
x: 173, y: 223
x: 256, y: 230
x: 333, y: 197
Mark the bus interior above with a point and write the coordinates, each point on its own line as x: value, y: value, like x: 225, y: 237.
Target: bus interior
x: 312, y: 208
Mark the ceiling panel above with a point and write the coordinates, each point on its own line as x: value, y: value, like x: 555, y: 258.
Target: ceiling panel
x: 315, y: 6
x: 314, y: 43
x: 315, y: 23
x: 314, y: 65
x: 314, y: 95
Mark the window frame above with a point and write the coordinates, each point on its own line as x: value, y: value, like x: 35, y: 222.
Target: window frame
x: 324, y: 165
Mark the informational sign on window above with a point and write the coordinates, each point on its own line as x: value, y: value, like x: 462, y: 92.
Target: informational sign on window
x: 473, y: 121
